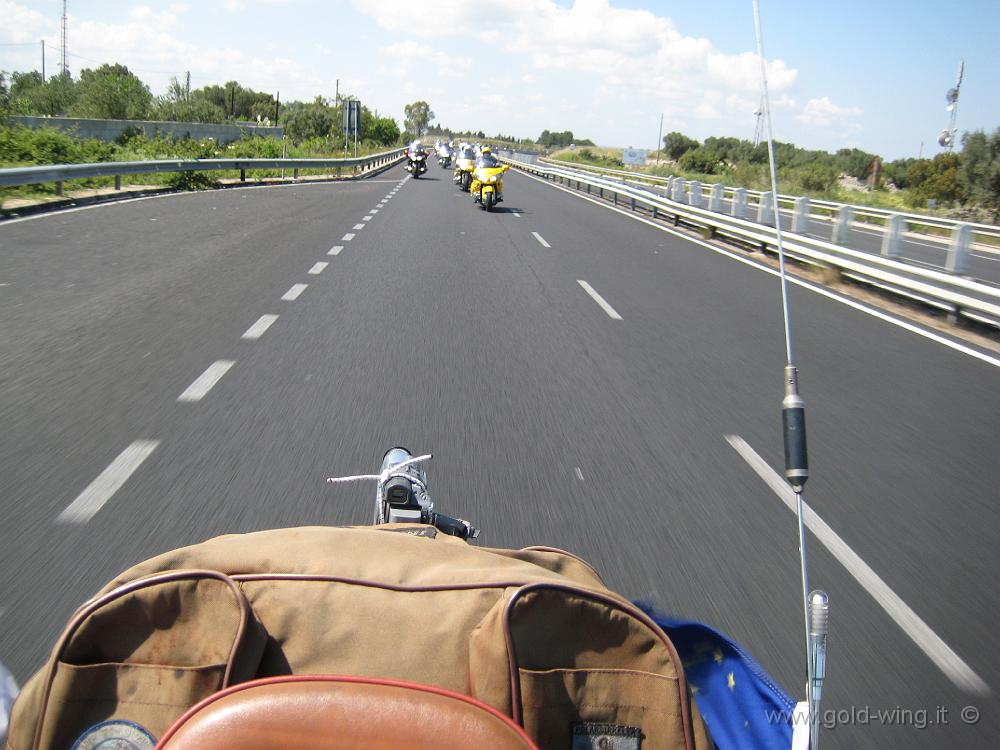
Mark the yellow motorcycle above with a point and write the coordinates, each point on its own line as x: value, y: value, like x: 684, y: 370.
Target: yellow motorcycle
x: 465, y: 163
x: 487, y: 180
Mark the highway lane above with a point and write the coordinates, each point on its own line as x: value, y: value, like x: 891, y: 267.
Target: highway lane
x: 459, y: 332
x: 982, y: 264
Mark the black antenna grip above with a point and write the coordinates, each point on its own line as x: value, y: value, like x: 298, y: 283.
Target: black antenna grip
x: 793, y: 420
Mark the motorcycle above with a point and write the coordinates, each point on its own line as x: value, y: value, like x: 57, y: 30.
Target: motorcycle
x: 416, y: 162
x: 487, y: 181
x: 465, y: 163
x: 445, y: 154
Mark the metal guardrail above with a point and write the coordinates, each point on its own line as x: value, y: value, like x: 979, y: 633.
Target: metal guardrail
x: 957, y: 295
x: 883, y: 218
x: 60, y: 173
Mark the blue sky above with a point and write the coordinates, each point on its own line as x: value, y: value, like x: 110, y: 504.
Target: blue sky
x: 867, y: 74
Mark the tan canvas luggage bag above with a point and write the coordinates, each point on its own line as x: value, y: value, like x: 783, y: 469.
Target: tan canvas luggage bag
x: 532, y: 632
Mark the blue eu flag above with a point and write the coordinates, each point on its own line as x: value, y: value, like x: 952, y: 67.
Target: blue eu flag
x: 740, y: 703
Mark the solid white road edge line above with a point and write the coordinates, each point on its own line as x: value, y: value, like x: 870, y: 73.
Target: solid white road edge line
x: 257, y: 329
x: 874, y: 312
x: 919, y: 632
x: 206, y: 381
x: 107, y: 483
x: 293, y: 293
x: 612, y: 313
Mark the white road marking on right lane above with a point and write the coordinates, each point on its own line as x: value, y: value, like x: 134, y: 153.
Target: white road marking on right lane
x: 612, y: 313
x: 823, y: 292
x: 293, y: 293
x: 919, y: 632
x: 359, y: 226
x: 107, y: 483
x: 257, y: 329
x: 318, y: 268
x: 347, y: 237
x: 335, y: 250
x: 579, y: 474
x: 517, y: 214
x: 541, y: 239
x: 206, y: 381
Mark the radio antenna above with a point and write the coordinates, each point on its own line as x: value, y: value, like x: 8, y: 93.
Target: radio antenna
x: 815, y: 606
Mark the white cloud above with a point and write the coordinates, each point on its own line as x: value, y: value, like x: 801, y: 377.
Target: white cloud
x: 626, y: 49
x: 825, y: 114
x: 414, y: 53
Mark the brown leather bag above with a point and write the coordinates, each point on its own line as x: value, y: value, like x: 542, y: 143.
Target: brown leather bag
x: 533, y: 633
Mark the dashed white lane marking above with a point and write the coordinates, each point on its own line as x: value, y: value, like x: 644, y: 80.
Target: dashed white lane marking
x: 206, y: 381
x: 107, y: 483
x: 347, y: 237
x: 367, y: 218
x: 335, y: 250
x: 380, y: 205
x: 579, y: 474
x: 318, y: 268
x: 875, y: 313
x: 359, y: 226
x: 293, y: 293
x: 612, y: 313
x: 517, y: 214
x: 541, y: 239
x: 257, y: 329
x: 919, y: 632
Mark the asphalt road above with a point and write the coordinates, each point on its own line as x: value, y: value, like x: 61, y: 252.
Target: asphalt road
x: 983, y: 265
x: 469, y: 335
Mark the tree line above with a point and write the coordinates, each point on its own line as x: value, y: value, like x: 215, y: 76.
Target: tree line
x: 971, y: 176
x: 112, y: 91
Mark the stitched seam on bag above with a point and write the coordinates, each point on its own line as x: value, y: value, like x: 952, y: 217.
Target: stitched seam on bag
x: 599, y: 670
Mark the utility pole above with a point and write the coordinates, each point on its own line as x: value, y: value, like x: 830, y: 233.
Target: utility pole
x: 277, y: 103
x: 43, y: 61
x: 65, y: 67
x: 659, y: 140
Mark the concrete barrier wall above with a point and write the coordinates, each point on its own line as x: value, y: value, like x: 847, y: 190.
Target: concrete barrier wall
x: 109, y: 130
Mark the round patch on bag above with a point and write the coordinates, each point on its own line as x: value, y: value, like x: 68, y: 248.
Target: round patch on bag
x: 115, y: 735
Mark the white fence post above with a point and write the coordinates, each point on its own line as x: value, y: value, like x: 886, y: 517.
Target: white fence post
x: 765, y: 209
x: 841, y: 225
x: 694, y: 197
x: 739, y: 209
x: 890, y: 236
x: 677, y: 189
x: 800, y: 219
x: 958, y: 249
x: 715, y: 198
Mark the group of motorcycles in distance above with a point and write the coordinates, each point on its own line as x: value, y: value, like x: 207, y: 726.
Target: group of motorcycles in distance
x: 477, y: 170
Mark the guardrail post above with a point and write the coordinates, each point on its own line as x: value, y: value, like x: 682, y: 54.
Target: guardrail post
x: 890, y: 236
x: 632, y: 201
x: 614, y: 197
x: 958, y: 249
x: 800, y: 217
x: 765, y: 209
x: 243, y: 175
x: 841, y: 226
x: 677, y: 190
x: 118, y: 182
x: 739, y: 209
x: 59, y: 187
x: 295, y: 173
x: 694, y: 196
x: 715, y: 198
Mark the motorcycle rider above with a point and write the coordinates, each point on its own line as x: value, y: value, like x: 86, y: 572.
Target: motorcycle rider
x: 485, y: 160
